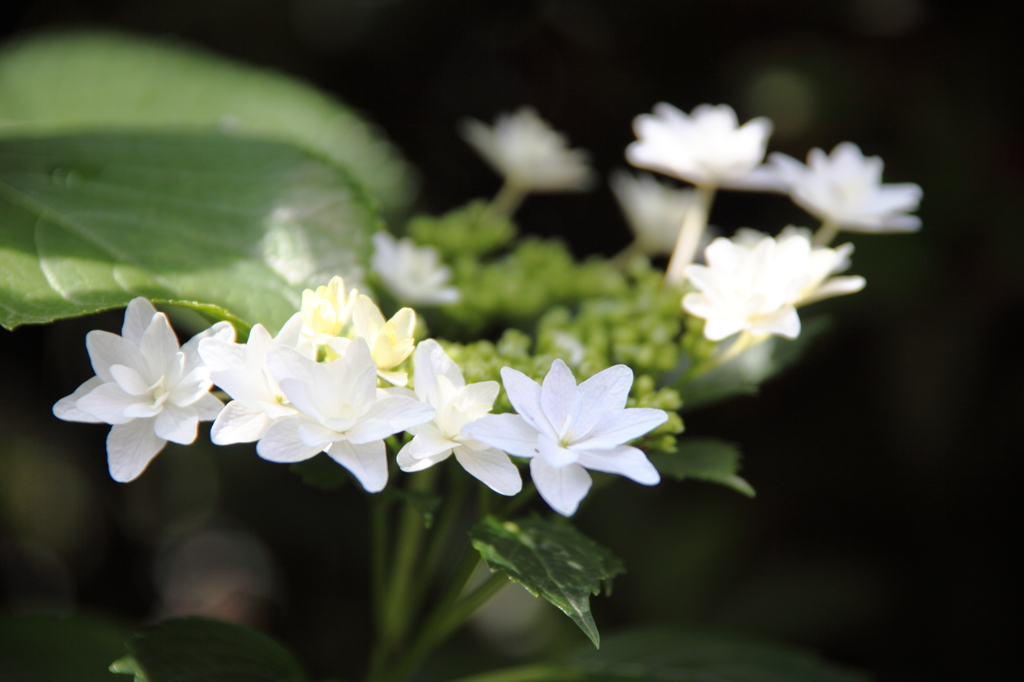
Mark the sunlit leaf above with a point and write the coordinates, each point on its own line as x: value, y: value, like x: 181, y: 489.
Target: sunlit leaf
x: 704, y: 459
x: 78, y: 81
x: 90, y: 221
x: 552, y: 560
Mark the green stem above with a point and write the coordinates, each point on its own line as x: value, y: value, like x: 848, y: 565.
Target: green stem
x: 516, y: 503
x: 379, y: 505
x: 508, y: 199
x: 825, y: 234
x: 694, y: 222
x: 528, y: 673
x: 442, y: 623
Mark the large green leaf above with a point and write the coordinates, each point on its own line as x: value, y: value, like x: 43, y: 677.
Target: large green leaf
x: 59, y: 649
x: 552, y: 560
x: 89, y: 221
x: 704, y: 459
x: 71, y: 82
x: 669, y: 655
x: 203, y: 650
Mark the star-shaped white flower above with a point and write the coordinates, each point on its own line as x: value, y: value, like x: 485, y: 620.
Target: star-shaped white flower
x: 147, y: 387
x: 845, y: 188
x: 340, y: 411
x: 525, y: 150
x: 754, y: 283
x: 439, y: 383
x: 325, y: 312
x: 566, y: 429
x: 390, y: 342
x: 414, y: 274
x: 241, y: 371
x: 653, y: 209
x: 706, y: 147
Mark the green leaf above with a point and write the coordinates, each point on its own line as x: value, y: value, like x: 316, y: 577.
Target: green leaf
x: 193, y: 649
x: 59, y: 649
x: 71, y: 82
x: 90, y: 221
x: 747, y: 371
x: 670, y: 655
x: 552, y: 560
x: 424, y: 502
x: 705, y: 459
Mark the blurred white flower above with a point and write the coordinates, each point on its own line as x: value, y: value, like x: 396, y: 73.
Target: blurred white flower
x: 567, y: 429
x: 754, y: 283
x: 414, y: 274
x: 390, y: 342
x: 440, y: 384
x: 706, y: 147
x: 653, y: 210
x: 147, y: 387
x: 845, y: 189
x: 525, y: 150
x: 241, y: 371
x: 340, y: 411
x: 326, y: 311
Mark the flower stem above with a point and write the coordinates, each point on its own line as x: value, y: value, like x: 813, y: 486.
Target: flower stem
x: 507, y: 200
x: 528, y: 673
x: 694, y: 222
x: 825, y: 234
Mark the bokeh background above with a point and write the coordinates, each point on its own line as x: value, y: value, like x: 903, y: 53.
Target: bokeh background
x: 886, y: 462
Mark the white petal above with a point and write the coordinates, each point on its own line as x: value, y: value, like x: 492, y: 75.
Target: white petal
x: 430, y: 362
x: 159, y: 344
x: 191, y: 387
x: 239, y: 424
x: 367, y: 461
x: 281, y: 442
x: 137, y: 317
x: 835, y: 286
x: 106, y: 349
x: 316, y: 436
x: 491, y: 467
x: 508, y: 432
x: 561, y: 487
x: 784, y: 322
x: 604, y: 392
x: 620, y: 426
x: 130, y: 449
x: 624, y: 460
x: 388, y: 416
x: 558, y: 395
x: 222, y: 355
x: 67, y: 408
x: 553, y: 453
x: 108, y: 403
x: 207, y: 408
x: 176, y: 424
x: 408, y: 463
x: 130, y: 381
x: 525, y: 395
x: 428, y: 442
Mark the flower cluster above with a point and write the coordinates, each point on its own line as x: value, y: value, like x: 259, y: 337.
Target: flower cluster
x: 330, y: 381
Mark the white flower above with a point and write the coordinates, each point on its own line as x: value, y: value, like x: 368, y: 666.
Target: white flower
x: 567, y: 429
x: 390, y: 342
x: 754, y: 282
x: 525, y: 150
x: 653, y: 209
x: 706, y: 148
x: 846, y: 190
x: 241, y: 371
x: 414, y: 274
x: 340, y: 411
x: 439, y: 383
x: 151, y: 390
x: 326, y: 311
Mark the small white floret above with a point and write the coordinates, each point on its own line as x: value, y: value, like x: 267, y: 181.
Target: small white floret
x: 414, y: 274
x: 566, y: 429
x: 654, y: 210
x: 148, y: 388
x: 532, y: 156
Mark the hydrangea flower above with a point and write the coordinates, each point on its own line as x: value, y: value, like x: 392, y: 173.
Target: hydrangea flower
x: 525, y: 150
x: 340, y: 411
x: 653, y: 209
x: 439, y: 383
x: 414, y: 274
x: 706, y: 147
x: 845, y: 189
x: 754, y: 283
x: 326, y: 311
x: 241, y: 371
x: 390, y: 342
x: 150, y: 389
x: 566, y: 429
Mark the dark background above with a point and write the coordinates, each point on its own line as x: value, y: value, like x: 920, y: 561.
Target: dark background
x: 885, y: 462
